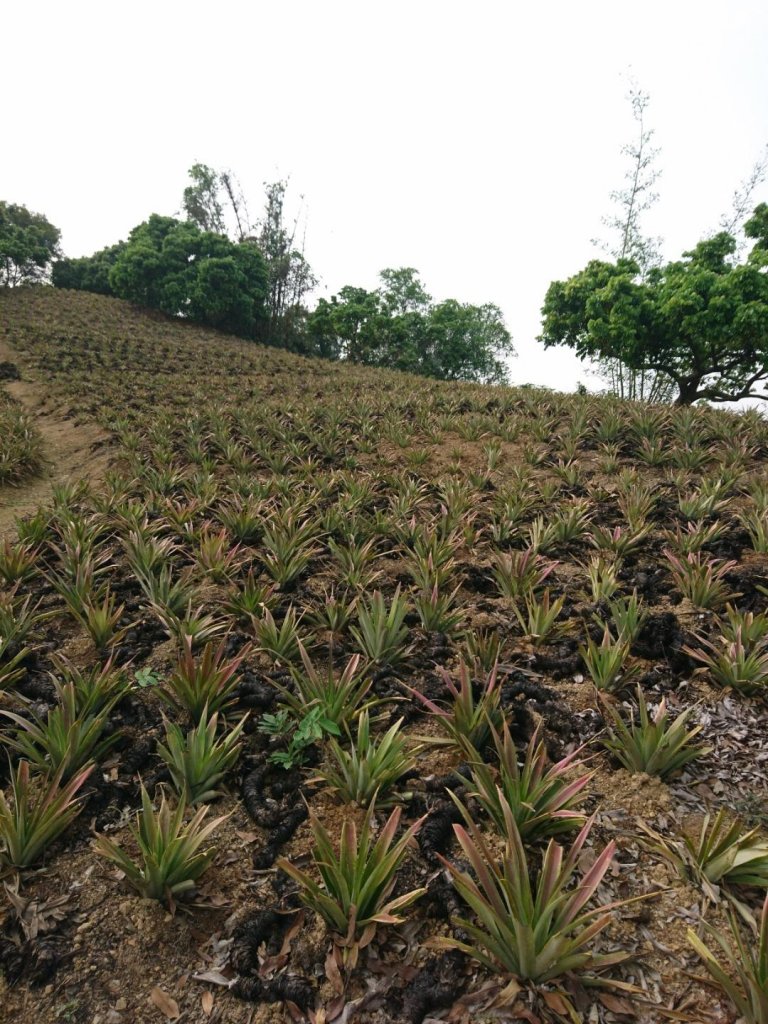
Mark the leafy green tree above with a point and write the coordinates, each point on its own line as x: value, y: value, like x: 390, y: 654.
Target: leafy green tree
x: 757, y: 228
x: 223, y: 295
x: 701, y: 320
x: 348, y: 326
x: 201, y: 199
x: 173, y: 266
x: 87, y: 273
x: 467, y: 342
x: 143, y: 270
x: 397, y: 326
x: 402, y: 292
x: 28, y: 245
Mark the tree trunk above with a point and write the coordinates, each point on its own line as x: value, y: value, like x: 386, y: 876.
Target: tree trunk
x: 689, y: 392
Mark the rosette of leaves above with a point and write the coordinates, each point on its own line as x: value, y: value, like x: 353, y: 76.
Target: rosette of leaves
x: 199, y: 759
x: 339, y: 697
x: 370, y: 768
x: 356, y: 882
x: 533, y: 926
x: 540, y: 796
x: 471, y: 713
x: 654, y: 744
x: 67, y: 737
x: 170, y: 856
x: 742, y: 969
x: 207, y: 682
x: 381, y: 633
x: 721, y: 854
x: 41, y: 808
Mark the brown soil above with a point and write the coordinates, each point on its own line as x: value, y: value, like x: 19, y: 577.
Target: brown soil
x: 72, y: 450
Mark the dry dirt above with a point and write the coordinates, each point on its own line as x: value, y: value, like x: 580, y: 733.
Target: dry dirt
x: 72, y: 450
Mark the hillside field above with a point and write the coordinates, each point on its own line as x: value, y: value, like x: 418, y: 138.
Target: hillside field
x: 388, y: 601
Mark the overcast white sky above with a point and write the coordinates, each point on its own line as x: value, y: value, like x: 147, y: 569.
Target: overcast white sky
x: 476, y: 141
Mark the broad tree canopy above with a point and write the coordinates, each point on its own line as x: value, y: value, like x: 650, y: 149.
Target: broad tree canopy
x: 702, y: 320
x: 398, y: 326
x: 28, y: 245
x: 173, y: 266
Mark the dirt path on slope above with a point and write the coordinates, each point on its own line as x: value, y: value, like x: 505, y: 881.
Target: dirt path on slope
x: 71, y: 452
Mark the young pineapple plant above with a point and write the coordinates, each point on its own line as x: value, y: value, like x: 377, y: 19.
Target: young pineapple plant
x: 542, y: 535
x: 369, y: 769
x: 17, y: 620
x: 356, y: 560
x: 571, y: 523
x: 748, y: 627
x: 619, y: 541
x: 606, y: 662
x: 701, y: 579
x: 333, y: 616
x: 353, y: 892
x: 692, y: 457
x: 39, y: 810
x: 510, y: 509
x: 653, y: 744
x: 19, y: 561
x: 542, y: 797
x: 433, y: 545
x: 171, y: 860
x: 169, y: 596
x: 204, y: 684
x: 472, y: 711
x: 721, y: 854
x: 603, y: 578
x: 481, y: 650
x: 243, y: 517
x: 67, y: 738
x: 199, y: 759
x: 425, y: 573
x: 726, y: 853
x: 539, y: 618
x: 569, y: 473
x: 193, y: 624
x: 146, y: 552
x: 340, y: 698
x: 698, y: 505
x: 520, y: 574
x: 531, y: 926
x: 737, y: 662
x: 636, y: 502
x: 216, y: 556
x: 755, y: 522
x: 627, y: 616
x: 381, y: 633
x: 35, y: 529
x: 289, y: 547
x: 740, y: 968
x: 80, y: 585
x: 282, y: 643
x: 694, y: 537
x: 101, y: 686
x: 100, y: 617
x: 248, y: 599
x: 437, y: 611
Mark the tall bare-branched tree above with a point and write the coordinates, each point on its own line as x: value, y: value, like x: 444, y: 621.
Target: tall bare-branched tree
x: 290, y: 275
x: 629, y: 242
x: 215, y: 201
x: 742, y: 204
